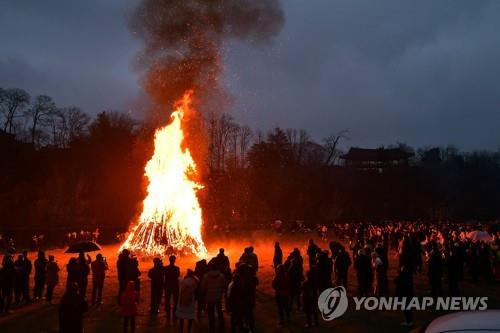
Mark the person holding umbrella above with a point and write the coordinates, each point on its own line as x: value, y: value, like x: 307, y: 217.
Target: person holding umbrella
x: 81, y: 269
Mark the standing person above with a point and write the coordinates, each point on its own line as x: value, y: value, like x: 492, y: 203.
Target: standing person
x: 40, y: 272
x: 435, y: 271
x: 172, y: 274
x: 253, y: 260
x: 364, y: 272
x: 129, y: 300
x: 236, y: 290
x: 19, y: 268
x: 199, y: 271
x: 310, y: 300
x: 295, y: 272
x: 223, y: 265
x: 278, y: 255
x: 312, y: 252
x: 453, y: 266
x: 404, y: 288
x: 99, y: 267
x: 83, y: 270
x: 155, y: 274
x: 26, y: 278
x: 407, y: 254
x: 281, y: 285
x: 7, y: 276
x: 185, y: 307
x: 51, y: 278
x: 250, y: 283
x: 222, y: 262
x: 212, y: 286
x: 122, y: 267
x: 324, y: 271
x: 134, y: 273
x: 379, y: 287
x: 324, y: 233
x: 72, y: 272
x: 244, y: 258
x: 71, y: 310
x: 342, y: 263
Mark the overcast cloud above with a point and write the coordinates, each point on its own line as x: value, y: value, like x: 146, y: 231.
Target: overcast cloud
x: 419, y: 72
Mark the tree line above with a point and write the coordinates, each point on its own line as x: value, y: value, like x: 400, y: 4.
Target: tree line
x: 65, y: 169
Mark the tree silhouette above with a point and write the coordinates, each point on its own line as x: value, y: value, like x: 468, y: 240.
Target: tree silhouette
x: 12, y: 101
x: 39, y: 113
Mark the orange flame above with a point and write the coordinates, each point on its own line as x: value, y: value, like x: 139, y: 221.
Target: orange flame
x: 171, y: 215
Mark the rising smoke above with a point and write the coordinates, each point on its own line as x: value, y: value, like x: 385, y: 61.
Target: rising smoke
x: 183, y: 41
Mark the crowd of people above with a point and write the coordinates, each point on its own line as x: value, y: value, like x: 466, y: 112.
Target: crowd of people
x: 15, y: 280
x: 205, y: 288
x: 38, y: 241
x: 82, y: 236
x: 445, y: 253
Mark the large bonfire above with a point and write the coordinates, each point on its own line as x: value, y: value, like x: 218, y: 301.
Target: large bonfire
x: 171, y: 217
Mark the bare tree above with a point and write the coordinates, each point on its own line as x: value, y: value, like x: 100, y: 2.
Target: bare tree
x: 299, y: 140
x: 233, y: 139
x: 331, y: 144
x: 221, y: 131
x: 40, y: 113
x: 56, y: 131
x: 245, y: 138
x: 76, y: 122
x: 67, y: 124
x: 211, y: 120
x: 12, y: 101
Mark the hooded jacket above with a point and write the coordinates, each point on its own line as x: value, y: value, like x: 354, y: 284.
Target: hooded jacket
x: 213, y: 285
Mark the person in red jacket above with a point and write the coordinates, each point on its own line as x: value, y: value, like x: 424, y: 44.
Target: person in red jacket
x: 128, y: 301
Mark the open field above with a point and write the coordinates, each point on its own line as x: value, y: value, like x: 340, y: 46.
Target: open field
x: 40, y: 317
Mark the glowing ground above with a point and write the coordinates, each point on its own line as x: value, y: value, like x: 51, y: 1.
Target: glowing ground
x: 43, y: 318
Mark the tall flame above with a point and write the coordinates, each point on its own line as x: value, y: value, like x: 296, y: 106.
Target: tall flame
x: 171, y: 217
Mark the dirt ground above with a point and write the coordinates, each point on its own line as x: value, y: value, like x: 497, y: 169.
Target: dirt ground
x: 40, y: 317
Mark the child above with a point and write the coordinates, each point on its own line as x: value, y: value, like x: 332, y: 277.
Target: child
x: 128, y: 301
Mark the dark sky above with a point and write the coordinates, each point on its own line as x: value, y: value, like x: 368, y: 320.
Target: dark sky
x: 418, y: 72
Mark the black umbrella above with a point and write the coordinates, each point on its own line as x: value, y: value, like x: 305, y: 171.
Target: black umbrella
x: 83, y: 247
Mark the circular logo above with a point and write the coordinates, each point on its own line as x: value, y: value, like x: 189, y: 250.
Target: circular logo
x: 333, y: 302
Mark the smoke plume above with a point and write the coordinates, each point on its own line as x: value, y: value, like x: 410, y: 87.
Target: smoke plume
x: 183, y: 39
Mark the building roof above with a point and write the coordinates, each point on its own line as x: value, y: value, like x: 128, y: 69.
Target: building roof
x: 377, y: 155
